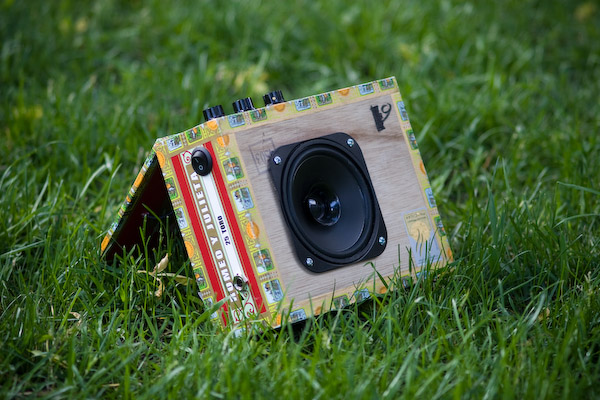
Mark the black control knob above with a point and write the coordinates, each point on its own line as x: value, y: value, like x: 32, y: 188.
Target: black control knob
x: 273, y: 97
x: 213, y: 112
x: 244, y: 104
x: 201, y: 161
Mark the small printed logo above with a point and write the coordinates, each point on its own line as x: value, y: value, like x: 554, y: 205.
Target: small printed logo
x: 412, y: 139
x: 380, y: 116
x: 298, y: 315
x: 440, y: 227
x: 261, y: 154
x: 421, y: 236
x: 180, y: 216
x: 273, y: 291
x: 170, y: 184
x: 149, y: 159
x: 386, y: 84
x: 233, y: 169
x: 430, y: 198
x: 263, y: 261
x: 193, y: 134
x: 340, y: 302
x: 114, y: 226
x: 258, y: 115
x: 200, y: 280
x: 361, y: 295
x: 243, y: 200
x: 402, y: 109
x: 367, y: 88
x: 173, y: 142
x: 302, y: 104
x: 236, y: 120
x: 323, y: 99
x: 186, y: 157
x: 208, y: 304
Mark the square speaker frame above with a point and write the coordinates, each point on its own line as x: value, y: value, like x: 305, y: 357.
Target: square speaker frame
x: 349, y: 148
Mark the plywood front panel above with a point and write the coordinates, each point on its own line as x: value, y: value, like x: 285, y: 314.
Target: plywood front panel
x: 391, y: 169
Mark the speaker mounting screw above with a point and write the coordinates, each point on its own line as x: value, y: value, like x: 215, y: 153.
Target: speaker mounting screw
x: 277, y: 160
x: 350, y: 142
x: 381, y: 240
x: 309, y: 261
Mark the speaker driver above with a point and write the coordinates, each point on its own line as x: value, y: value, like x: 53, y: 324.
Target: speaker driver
x: 328, y: 202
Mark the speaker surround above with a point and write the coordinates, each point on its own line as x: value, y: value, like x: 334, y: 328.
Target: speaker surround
x: 328, y: 202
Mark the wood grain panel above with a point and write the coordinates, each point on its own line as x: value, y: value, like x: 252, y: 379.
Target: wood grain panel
x: 391, y: 170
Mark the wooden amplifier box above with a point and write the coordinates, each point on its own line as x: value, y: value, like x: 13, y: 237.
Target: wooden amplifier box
x: 293, y: 209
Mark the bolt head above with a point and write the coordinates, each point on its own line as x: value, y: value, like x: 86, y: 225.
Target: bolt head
x: 309, y: 261
x: 350, y: 142
x: 381, y: 240
x: 277, y: 160
x: 239, y: 282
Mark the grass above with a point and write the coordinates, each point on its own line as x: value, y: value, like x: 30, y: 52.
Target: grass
x: 503, y: 97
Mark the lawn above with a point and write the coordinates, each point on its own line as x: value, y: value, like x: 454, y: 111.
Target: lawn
x: 504, y: 100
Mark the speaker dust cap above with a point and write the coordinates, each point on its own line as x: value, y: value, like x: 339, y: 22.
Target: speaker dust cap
x: 328, y: 202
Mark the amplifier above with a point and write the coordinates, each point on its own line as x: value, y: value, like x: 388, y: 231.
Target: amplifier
x: 286, y: 211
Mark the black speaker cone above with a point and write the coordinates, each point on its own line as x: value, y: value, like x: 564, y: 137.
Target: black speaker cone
x: 328, y: 202
x: 325, y: 175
